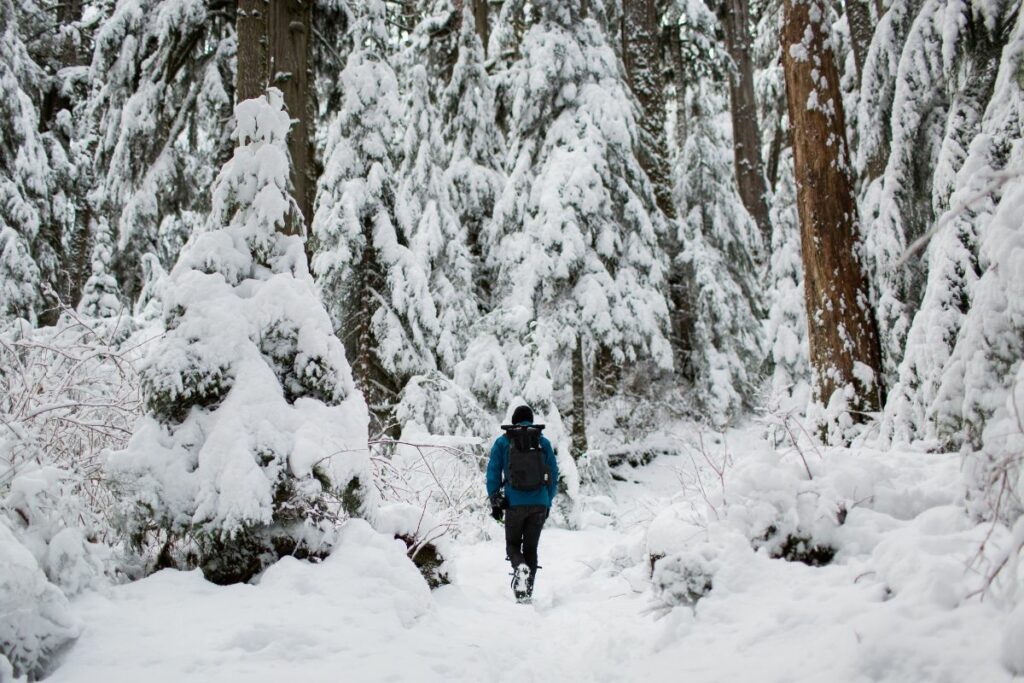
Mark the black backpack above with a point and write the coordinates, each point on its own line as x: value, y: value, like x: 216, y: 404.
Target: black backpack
x: 527, y: 470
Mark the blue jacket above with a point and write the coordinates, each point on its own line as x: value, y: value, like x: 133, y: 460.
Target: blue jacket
x: 497, y: 475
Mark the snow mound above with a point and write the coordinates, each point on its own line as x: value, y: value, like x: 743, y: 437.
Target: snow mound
x: 35, y: 619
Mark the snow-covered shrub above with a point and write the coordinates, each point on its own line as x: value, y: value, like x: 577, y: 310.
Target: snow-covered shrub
x: 254, y: 441
x: 68, y: 393
x: 101, y: 294
x: 684, y: 554
x: 35, y: 619
x: 684, y: 578
x: 48, y: 509
x: 426, y: 539
x: 441, y: 475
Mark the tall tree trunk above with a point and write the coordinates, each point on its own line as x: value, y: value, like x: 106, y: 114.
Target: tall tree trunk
x: 842, y: 330
x: 579, y: 404
x: 641, y: 55
x: 252, y: 28
x: 734, y: 15
x: 483, y: 29
x: 679, y: 294
x: 858, y: 16
x: 274, y: 49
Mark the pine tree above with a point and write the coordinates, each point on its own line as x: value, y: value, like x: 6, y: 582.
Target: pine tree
x: 947, y: 71
x: 878, y: 87
x: 432, y: 226
x: 720, y: 245
x: 577, y: 223
x: 376, y: 290
x: 100, y: 294
x: 473, y: 178
x: 28, y: 258
x: 787, y: 315
x: 163, y: 85
x: 253, y: 424
x: 979, y: 375
x: 642, y: 58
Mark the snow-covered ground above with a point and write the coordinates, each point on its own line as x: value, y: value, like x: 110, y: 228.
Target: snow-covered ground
x: 892, y: 607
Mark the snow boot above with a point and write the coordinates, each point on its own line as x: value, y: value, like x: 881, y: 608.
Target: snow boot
x: 522, y: 583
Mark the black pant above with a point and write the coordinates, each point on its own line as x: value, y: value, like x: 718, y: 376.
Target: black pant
x: 522, y: 534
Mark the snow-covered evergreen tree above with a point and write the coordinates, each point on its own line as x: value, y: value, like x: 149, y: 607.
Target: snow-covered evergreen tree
x: 878, y: 86
x: 787, y: 314
x: 375, y: 287
x: 28, y: 258
x: 253, y: 423
x: 162, y: 79
x: 430, y: 225
x: 720, y: 244
x: 100, y: 294
x: 473, y: 178
x: 947, y: 68
x: 576, y: 228
x: 977, y: 378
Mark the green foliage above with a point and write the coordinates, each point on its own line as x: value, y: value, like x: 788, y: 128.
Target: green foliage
x: 429, y: 560
x: 202, y: 387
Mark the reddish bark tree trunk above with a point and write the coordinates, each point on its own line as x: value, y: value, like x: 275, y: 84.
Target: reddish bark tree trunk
x: 842, y: 329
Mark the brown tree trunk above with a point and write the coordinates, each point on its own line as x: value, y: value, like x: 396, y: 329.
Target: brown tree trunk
x: 641, y: 55
x: 253, y: 49
x: 858, y: 16
x: 734, y: 15
x: 579, y: 404
x: 842, y: 330
x: 274, y: 49
x: 680, y: 298
x: 480, y: 9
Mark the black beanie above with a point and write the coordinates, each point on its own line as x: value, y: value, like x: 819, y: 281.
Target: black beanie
x: 522, y: 414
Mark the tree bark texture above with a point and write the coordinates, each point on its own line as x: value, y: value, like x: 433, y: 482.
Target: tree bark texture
x: 842, y: 331
x: 579, y: 404
x: 274, y: 49
x: 734, y: 16
x: 483, y: 29
x: 642, y: 57
x: 363, y: 289
x: 858, y: 16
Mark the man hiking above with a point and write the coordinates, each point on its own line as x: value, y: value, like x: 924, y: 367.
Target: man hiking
x: 522, y: 475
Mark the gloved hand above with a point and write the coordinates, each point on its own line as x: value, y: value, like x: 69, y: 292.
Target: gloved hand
x: 498, y: 513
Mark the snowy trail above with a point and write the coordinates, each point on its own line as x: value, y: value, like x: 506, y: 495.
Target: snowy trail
x: 365, y: 614
x: 580, y: 627
x: 174, y: 626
